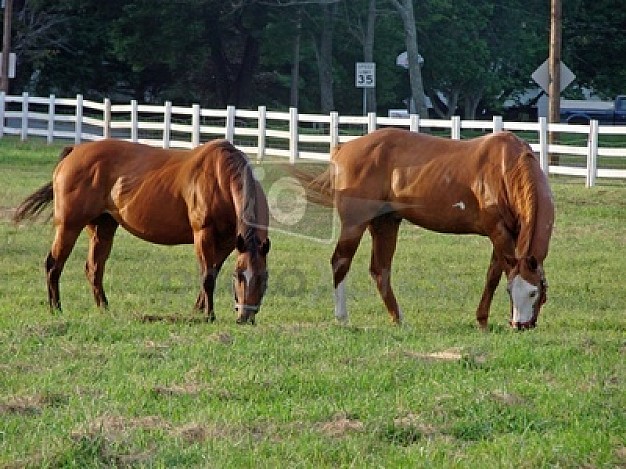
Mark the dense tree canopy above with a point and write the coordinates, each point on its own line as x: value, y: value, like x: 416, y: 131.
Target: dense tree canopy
x: 281, y: 52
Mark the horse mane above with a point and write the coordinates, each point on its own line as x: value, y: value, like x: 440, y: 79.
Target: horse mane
x: 239, y: 166
x: 523, y: 192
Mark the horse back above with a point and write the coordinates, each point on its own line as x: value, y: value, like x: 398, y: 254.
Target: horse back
x: 456, y: 186
x: 151, y: 192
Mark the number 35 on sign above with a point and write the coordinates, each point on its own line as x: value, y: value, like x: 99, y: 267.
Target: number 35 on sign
x: 365, y: 75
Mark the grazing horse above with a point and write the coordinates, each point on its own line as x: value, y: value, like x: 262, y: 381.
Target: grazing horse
x: 491, y: 186
x: 206, y: 197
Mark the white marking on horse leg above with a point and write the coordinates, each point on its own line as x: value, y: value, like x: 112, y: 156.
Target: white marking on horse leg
x: 341, y: 310
x: 460, y: 204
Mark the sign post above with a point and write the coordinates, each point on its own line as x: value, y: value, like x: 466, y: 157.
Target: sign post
x: 365, y: 77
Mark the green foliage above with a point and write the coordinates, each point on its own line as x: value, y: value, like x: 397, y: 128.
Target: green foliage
x: 98, y: 389
x: 217, y: 53
x: 593, y: 33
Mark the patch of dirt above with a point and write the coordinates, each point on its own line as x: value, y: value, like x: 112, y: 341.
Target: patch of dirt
x: 171, y: 318
x: 411, y: 420
x: 115, y: 427
x: 6, y: 213
x: 222, y: 338
x: 51, y: 329
x: 32, y: 405
x: 340, y: 425
x: 179, y: 390
x: 507, y: 398
x: 196, y: 433
x: 454, y: 354
x: 448, y: 355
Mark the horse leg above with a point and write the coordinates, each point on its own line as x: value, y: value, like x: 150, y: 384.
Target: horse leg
x: 349, y: 240
x: 64, y: 241
x: 494, y: 272
x: 200, y: 304
x: 384, y: 231
x: 503, y: 245
x: 210, y: 263
x: 101, y: 231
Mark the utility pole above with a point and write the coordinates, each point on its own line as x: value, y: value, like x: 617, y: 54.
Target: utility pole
x: 554, y: 89
x: 6, y: 45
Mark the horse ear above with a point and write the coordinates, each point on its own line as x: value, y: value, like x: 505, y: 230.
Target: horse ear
x: 532, y: 263
x: 265, y: 247
x: 241, y: 243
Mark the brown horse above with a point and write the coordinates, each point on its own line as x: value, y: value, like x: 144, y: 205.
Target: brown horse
x: 206, y: 197
x: 491, y: 186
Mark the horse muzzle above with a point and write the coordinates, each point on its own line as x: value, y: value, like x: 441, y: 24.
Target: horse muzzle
x: 523, y: 326
x: 246, y: 314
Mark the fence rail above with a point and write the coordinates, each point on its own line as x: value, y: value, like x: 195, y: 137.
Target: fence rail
x: 592, y: 151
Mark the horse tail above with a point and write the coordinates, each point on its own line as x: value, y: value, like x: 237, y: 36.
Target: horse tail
x: 35, y: 203
x: 318, y: 187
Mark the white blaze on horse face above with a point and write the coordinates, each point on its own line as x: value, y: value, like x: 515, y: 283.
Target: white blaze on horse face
x: 341, y: 309
x: 247, y: 274
x: 524, y: 295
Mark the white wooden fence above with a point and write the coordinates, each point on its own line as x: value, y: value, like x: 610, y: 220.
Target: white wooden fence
x: 594, y: 153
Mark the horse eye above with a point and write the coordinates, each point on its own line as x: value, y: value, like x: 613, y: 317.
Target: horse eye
x: 533, y: 293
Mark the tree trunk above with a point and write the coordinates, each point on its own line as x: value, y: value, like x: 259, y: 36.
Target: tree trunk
x: 417, y: 100
x: 368, y: 51
x: 6, y: 45
x: 325, y: 59
x: 471, y: 104
x: 249, y: 62
x: 295, y: 65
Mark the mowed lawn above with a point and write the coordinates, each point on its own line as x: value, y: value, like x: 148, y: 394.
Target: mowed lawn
x: 96, y: 389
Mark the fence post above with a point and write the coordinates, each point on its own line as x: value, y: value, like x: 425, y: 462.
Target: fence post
x: 24, y: 132
x: 414, y: 125
x: 134, y: 121
x: 78, y: 125
x: 2, y: 112
x: 371, y: 122
x: 230, y: 124
x: 455, y: 131
x: 543, y: 145
x: 293, y: 134
x: 262, y: 127
x: 106, y: 132
x: 334, y: 130
x: 592, y: 153
x: 167, y: 123
x: 195, y: 125
x: 497, y: 124
x: 51, y: 114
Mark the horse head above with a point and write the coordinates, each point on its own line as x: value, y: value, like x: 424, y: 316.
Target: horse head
x: 250, y: 277
x: 527, y: 289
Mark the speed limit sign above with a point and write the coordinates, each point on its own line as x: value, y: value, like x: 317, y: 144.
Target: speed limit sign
x: 365, y: 75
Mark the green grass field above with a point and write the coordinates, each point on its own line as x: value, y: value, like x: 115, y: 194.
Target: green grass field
x: 105, y: 389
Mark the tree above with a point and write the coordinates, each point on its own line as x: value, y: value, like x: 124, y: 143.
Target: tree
x: 323, y: 41
x: 360, y: 22
x: 477, y: 51
x: 594, y: 44
x: 418, y: 100
x: 251, y: 52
